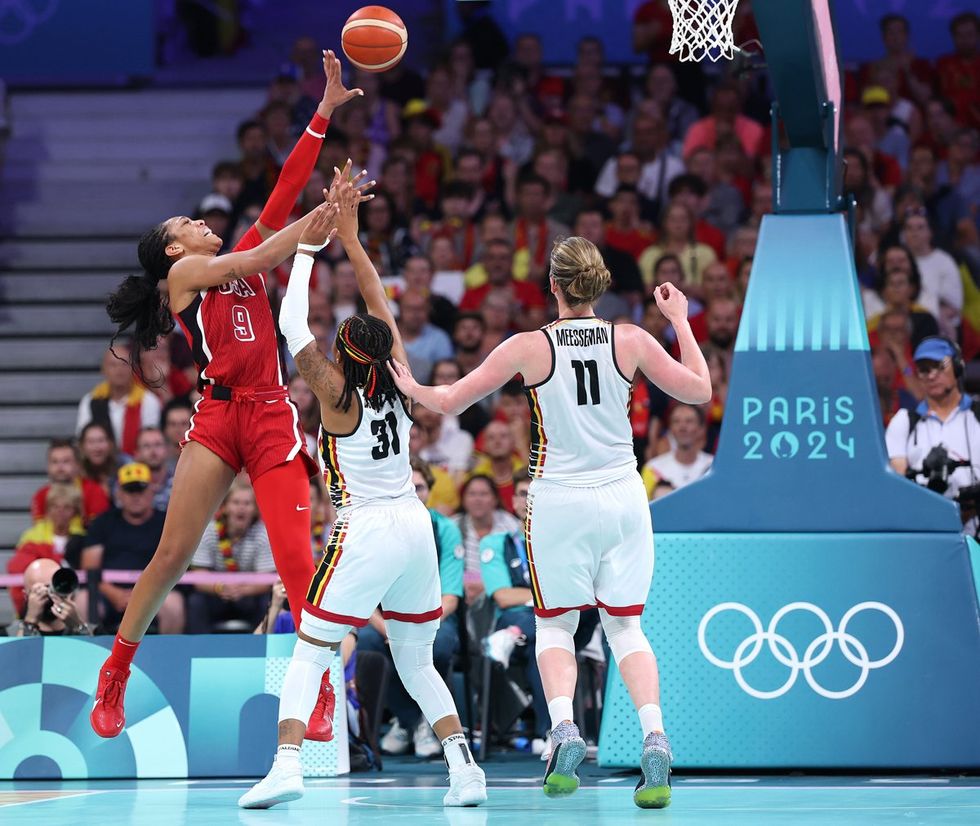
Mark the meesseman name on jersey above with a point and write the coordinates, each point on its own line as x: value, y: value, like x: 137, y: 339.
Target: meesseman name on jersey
x: 587, y: 337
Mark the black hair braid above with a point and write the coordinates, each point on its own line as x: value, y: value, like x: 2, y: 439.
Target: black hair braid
x: 139, y: 304
x: 365, y: 342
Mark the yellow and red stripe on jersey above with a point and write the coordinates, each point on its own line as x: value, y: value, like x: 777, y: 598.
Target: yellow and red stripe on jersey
x: 329, y: 563
x: 539, y: 441
x: 332, y: 474
x: 535, y: 587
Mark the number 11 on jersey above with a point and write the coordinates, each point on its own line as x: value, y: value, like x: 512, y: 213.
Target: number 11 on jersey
x: 580, y: 368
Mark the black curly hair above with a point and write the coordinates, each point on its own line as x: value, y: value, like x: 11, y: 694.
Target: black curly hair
x: 365, y: 343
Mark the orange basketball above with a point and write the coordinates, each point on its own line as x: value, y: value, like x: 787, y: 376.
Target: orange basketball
x: 374, y: 38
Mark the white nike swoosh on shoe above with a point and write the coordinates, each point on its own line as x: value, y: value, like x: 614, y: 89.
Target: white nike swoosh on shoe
x: 301, y: 509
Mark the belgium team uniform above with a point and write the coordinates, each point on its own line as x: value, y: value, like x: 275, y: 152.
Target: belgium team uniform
x: 381, y: 549
x: 245, y: 415
x: 588, y: 531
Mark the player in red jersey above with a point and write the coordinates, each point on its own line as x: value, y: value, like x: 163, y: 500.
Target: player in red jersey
x: 245, y: 418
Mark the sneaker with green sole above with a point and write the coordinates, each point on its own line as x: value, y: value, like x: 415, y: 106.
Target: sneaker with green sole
x: 567, y: 753
x: 653, y: 789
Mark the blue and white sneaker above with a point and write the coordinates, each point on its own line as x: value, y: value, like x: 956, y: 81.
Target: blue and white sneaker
x: 653, y: 789
x: 567, y: 753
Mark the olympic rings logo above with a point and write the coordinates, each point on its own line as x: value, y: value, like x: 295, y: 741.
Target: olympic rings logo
x: 19, y: 18
x: 816, y: 652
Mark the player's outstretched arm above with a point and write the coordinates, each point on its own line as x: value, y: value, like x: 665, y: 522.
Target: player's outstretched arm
x: 687, y: 381
x: 322, y: 375
x: 298, y: 166
x: 506, y: 361
x: 200, y: 272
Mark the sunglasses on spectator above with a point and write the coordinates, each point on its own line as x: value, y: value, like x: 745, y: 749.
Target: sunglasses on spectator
x: 928, y: 369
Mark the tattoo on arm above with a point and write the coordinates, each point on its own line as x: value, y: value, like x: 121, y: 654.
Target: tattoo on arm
x: 321, y: 374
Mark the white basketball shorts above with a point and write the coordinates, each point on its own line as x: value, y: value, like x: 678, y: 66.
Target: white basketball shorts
x: 589, y: 546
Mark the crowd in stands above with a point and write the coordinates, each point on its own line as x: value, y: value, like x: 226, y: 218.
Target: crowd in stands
x: 482, y: 162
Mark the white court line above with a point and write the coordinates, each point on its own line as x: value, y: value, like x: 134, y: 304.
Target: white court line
x: 905, y: 781
x: 692, y: 780
x: 68, y: 796
x: 612, y: 780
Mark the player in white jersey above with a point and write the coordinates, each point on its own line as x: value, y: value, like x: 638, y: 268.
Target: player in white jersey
x: 381, y: 549
x: 588, y: 533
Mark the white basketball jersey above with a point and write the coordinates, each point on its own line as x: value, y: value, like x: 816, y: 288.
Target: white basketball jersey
x: 370, y: 464
x: 580, y: 428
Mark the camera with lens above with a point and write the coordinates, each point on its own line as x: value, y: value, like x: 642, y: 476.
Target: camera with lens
x: 937, y: 467
x: 64, y: 583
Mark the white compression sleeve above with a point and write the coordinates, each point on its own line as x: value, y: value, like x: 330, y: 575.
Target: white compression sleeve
x: 295, y: 310
x: 301, y: 685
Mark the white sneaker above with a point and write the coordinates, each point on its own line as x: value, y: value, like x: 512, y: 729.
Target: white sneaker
x: 426, y: 743
x: 396, y: 740
x: 500, y: 644
x: 283, y: 783
x: 467, y: 786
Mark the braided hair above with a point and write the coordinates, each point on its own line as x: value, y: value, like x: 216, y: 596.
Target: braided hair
x: 138, y: 302
x: 365, y: 342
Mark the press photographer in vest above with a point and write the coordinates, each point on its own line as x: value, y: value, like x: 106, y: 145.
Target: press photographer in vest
x: 937, y: 445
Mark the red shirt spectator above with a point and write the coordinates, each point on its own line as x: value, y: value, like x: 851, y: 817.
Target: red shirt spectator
x: 63, y: 468
x: 652, y: 29
x: 497, y: 258
x: 959, y: 73
x: 726, y: 112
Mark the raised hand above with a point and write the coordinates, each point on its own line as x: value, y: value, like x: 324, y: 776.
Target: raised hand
x: 322, y: 226
x: 335, y: 94
x: 342, y: 175
x: 672, y: 303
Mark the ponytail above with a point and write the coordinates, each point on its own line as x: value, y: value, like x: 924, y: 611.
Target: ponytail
x: 139, y: 304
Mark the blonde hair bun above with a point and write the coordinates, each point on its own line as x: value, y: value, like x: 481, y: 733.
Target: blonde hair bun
x: 578, y: 269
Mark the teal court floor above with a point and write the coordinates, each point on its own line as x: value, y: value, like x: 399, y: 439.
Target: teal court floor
x: 411, y: 793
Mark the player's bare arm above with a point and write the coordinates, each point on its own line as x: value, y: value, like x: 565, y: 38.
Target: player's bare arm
x: 506, y: 360
x: 687, y: 380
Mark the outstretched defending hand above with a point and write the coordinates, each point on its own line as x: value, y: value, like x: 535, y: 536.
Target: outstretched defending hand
x: 344, y: 175
x: 672, y: 303
x: 320, y: 230
x: 336, y: 94
x: 404, y: 380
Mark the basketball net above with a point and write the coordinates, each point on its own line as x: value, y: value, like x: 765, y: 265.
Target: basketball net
x: 702, y: 28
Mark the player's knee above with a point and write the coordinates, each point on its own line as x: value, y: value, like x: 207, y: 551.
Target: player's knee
x: 556, y: 632
x: 171, y: 557
x: 624, y: 634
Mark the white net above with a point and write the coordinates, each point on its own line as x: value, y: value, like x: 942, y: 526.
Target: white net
x: 703, y: 29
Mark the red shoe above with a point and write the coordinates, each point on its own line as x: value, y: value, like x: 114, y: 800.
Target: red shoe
x: 108, y: 714
x: 321, y: 721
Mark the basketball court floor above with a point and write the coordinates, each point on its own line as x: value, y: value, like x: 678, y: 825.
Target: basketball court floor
x: 408, y: 792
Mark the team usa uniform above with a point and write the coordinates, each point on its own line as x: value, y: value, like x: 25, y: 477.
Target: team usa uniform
x: 245, y: 416
x: 381, y: 549
x: 582, y: 464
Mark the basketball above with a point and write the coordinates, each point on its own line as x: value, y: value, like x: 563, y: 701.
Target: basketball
x: 374, y: 38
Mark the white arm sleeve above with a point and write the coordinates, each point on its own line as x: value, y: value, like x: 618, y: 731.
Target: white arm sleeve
x: 295, y: 310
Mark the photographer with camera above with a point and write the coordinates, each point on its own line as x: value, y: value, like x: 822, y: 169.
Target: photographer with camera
x: 937, y: 444
x: 51, y: 609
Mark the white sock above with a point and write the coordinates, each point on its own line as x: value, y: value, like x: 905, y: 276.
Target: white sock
x: 651, y: 718
x: 457, y: 751
x: 560, y: 709
x: 287, y: 753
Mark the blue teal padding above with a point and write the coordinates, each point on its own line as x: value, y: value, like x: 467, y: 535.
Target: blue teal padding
x: 818, y: 708
x: 802, y: 444
x: 974, y: 562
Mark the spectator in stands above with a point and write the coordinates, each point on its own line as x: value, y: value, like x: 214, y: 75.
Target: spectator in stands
x: 687, y: 461
x: 897, y: 288
x: 307, y: 57
x: 892, y: 394
x: 277, y: 120
x: 725, y: 202
x: 552, y: 165
x: 175, y: 421
x: 119, y: 402
x: 259, y: 171
x: 859, y: 133
x: 49, y: 613
x: 668, y: 270
x: 387, y: 245
x: 236, y: 541
x: 455, y: 222
x: 658, y: 168
x: 722, y: 319
x: 915, y: 74
x: 425, y: 343
x: 63, y: 469
x: 501, y: 315
x: 587, y: 145
x: 869, y: 195
x: 961, y: 169
x: 626, y: 281
x: 691, y: 191
x: 151, y: 450
x: 625, y: 230
x: 660, y: 91
x: 499, y: 461
x: 418, y: 274
x: 714, y: 410
x: 716, y: 285
x: 451, y: 111
x: 124, y: 539
x: 362, y: 146
x: 726, y: 118
x: 446, y: 444
x: 678, y: 237
x: 284, y: 88
x: 59, y: 535
x: 481, y: 514
x: 409, y: 728
x: 959, y: 72
x: 505, y: 570
x: 309, y: 410
x: 515, y: 143
x: 497, y: 260
x: 468, y: 333
x: 533, y: 231
x: 741, y: 247
x: 891, y: 137
x: 942, y: 289
x: 473, y: 419
x: 944, y: 205
x: 98, y: 455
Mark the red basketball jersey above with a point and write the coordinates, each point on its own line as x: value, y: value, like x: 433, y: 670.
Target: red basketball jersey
x: 232, y: 333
